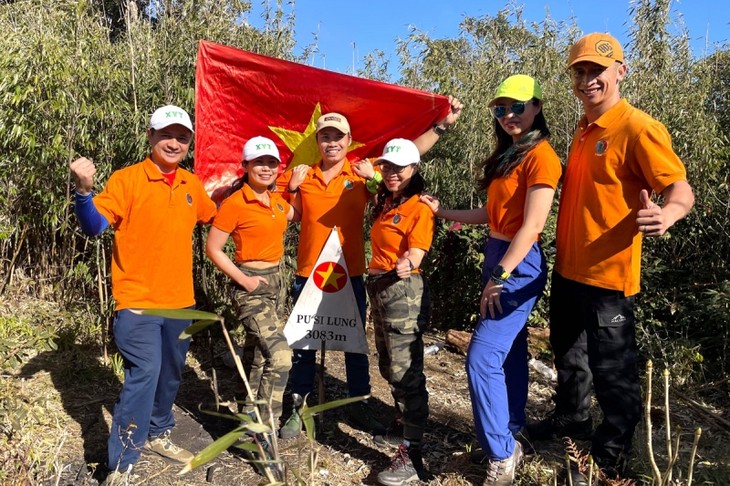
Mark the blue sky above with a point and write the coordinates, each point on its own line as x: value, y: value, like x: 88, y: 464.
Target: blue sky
x: 377, y: 24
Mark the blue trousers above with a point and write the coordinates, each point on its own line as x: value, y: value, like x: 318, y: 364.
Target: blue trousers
x: 496, y: 361
x: 154, y: 358
x: 301, y: 377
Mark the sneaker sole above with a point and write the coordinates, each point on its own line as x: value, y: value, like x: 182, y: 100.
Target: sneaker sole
x: 386, y: 482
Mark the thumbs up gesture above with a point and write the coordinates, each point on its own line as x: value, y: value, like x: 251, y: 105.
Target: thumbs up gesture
x: 650, y: 219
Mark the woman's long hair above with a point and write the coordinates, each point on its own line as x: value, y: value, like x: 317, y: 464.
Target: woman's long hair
x: 508, y: 154
x: 416, y: 185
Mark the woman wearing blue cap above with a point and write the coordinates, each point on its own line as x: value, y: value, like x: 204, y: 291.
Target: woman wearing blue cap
x: 520, y: 177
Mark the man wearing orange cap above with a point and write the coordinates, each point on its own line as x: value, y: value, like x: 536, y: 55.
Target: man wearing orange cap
x: 336, y: 192
x: 619, y: 156
x: 153, y: 207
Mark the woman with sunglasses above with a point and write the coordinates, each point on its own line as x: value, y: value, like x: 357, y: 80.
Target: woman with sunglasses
x: 253, y: 210
x: 520, y: 178
x: 400, y: 236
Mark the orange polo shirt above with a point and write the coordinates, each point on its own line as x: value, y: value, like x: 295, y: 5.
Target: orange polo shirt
x: 257, y: 229
x: 506, y: 195
x: 340, y: 203
x: 410, y: 225
x: 611, y: 160
x: 153, y: 221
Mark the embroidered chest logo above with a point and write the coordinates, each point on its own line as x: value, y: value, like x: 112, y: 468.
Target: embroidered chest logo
x: 601, y: 147
x: 189, y: 198
x: 396, y: 218
x: 348, y: 184
x: 280, y: 207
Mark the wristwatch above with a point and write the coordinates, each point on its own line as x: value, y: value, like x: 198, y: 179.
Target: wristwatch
x: 499, y: 275
x: 439, y: 130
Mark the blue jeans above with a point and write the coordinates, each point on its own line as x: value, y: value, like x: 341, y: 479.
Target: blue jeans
x: 496, y: 362
x: 154, y: 358
x: 301, y: 377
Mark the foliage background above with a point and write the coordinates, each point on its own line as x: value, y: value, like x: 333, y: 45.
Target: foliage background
x: 80, y: 77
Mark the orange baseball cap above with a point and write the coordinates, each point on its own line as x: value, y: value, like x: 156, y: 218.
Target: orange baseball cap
x: 599, y: 48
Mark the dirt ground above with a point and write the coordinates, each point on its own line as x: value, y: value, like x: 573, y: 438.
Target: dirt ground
x: 84, y: 391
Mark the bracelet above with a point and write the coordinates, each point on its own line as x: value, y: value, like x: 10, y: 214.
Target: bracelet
x: 499, y: 276
x: 372, y: 184
x: 439, y: 130
x: 410, y: 263
x: 292, y: 191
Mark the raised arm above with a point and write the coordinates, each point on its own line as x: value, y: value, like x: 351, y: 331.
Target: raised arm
x: 655, y: 220
x: 467, y: 216
x: 427, y: 139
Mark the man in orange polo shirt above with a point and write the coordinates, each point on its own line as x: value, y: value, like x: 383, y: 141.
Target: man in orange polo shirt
x: 153, y: 207
x: 618, y: 157
x: 335, y: 192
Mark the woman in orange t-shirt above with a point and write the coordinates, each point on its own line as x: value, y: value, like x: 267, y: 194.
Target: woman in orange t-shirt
x: 520, y: 178
x: 249, y: 213
x: 400, y: 237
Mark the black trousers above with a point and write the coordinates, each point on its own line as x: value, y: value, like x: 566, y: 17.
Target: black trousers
x: 592, y: 333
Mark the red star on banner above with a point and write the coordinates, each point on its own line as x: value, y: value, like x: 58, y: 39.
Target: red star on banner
x: 330, y: 277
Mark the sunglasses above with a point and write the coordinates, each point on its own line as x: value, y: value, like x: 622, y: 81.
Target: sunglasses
x: 395, y: 169
x: 518, y: 108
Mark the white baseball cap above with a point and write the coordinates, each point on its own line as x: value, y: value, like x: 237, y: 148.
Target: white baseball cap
x: 259, y: 146
x: 170, y: 115
x: 401, y: 152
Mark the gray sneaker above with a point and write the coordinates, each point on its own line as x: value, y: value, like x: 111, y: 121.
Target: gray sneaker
x: 502, y: 472
x: 120, y: 478
x: 406, y: 466
x: 162, y: 445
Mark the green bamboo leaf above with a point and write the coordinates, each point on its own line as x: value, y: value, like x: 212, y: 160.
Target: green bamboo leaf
x: 212, y: 451
x: 196, y: 328
x: 182, y: 314
x: 330, y: 405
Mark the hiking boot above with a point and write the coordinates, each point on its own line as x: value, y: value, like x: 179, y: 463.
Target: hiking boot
x: 163, y: 446
x: 406, y: 465
x: 361, y: 415
x: 577, y: 478
x: 120, y: 478
x: 293, y: 424
x: 502, y: 472
x: 478, y: 456
x: 557, y: 425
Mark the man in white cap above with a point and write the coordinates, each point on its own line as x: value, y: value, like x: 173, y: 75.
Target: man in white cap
x: 153, y: 206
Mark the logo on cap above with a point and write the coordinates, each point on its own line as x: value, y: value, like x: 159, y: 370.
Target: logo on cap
x: 391, y: 148
x: 604, y: 48
x: 333, y: 118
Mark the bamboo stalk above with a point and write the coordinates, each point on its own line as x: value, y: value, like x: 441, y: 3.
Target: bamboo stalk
x: 691, y: 467
x: 647, y: 415
x: 668, y: 427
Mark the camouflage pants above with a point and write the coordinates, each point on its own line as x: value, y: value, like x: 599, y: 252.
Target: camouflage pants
x: 266, y: 354
x: 400, y: 310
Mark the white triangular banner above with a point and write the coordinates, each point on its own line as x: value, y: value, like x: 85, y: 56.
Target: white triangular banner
x: 326, y: 309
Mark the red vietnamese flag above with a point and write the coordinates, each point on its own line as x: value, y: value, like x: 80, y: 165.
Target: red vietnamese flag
x: 239, y: 94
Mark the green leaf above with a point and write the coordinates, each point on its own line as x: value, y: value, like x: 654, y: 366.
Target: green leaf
x: 213, y: 450
x: 196, y: 328
x: 182, y: 314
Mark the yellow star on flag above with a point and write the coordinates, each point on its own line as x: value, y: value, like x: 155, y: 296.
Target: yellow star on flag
x: 330, y: 277
x: 303, y: 145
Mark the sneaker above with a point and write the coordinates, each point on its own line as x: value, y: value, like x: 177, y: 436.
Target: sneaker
x: 292, y: 426
x: 120, y: 478
x: 406, y: 465
x: 558, y: 425
x: 502, y: 472
x: 478, y: 456
x: 163, y: 446
x: 361, y: 415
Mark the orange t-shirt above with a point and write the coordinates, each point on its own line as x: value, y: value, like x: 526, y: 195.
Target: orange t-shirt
x: 257, y: 229
x: 410, y: 225
x: 152, y: 265
x: 340, y: 203
x: 506, y: 195
x: 611, y: 160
